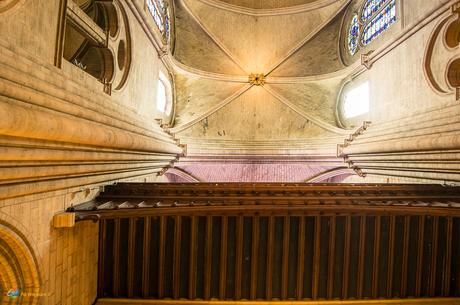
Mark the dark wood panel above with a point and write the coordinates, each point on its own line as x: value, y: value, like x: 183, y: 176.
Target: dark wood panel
x: 295, y: 254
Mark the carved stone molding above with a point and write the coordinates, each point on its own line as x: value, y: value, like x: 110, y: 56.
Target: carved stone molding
x: 7, y: 5
x: 442, y: 60
x: 257, y: 79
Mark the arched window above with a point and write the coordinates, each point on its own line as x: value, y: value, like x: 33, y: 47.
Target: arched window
x: 164, y: 96
x: 161, y: 96
x: 160, y: 13
x: 353, y: 35
x: 376, y: 17
x: 356, y: 101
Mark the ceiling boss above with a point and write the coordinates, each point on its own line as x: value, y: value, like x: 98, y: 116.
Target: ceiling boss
x: 257, y: 79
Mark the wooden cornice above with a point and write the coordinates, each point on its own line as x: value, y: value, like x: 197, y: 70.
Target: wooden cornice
x: 424, y: 301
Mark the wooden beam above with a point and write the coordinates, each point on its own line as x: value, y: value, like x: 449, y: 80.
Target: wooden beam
x: 375, y: 264
x: 361, y: 259
x: 285, y: 258
x: 102, y: 249
x: 254, y: 257
x: 434, y: 256
x: 391, y: 247
x: 346, y: 257
x: 405, y: 258
x: 448, y: 262
x: 161, y: 257
x: 418, y: 275
x: 116, y: 258
x: 208, y: 259
x: 270, y: 242
x: 146, y: 257
x: 176, y: 260
x: 301, y: 258
x: 223, y: 259
x: 330, y: 259
x: 239, y: 256
x: 193, y: 258
x: 316, y: 257
x: 131, y: 249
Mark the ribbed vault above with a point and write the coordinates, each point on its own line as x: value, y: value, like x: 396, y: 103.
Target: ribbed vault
x: 294, y: 44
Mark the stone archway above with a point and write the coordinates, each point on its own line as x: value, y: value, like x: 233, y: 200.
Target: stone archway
x: 18, y: 264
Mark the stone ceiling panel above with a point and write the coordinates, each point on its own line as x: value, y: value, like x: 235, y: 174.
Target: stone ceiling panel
x: 267, y: 4
x: 196, y: 49
x: 315, y: 98
x: 194, y: 96
x: 261, y: 43
x: 255, y: 116
x: 318, y: 56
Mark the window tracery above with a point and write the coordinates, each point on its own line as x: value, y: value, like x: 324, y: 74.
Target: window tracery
x: 376, y: 16
x: 353, y: 35
x: 159, y: 10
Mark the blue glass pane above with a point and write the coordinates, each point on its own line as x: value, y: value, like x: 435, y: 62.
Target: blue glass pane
x: 371, y: 7
x: 156, y: 9
x: 353, y: 35
x: 380, y: 23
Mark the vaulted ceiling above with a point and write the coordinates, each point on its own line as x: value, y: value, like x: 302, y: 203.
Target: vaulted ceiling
x: 295, y: 44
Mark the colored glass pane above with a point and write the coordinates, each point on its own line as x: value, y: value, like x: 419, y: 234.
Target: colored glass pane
x: 380, y: 23
x: 353, y: 35
x: 371, y: 7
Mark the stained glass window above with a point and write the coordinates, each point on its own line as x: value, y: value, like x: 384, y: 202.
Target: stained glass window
x: 353, y: 35
x: 160, y: 14
x: 376, y: 17
x: 371, y: 7
x: 379, y: 23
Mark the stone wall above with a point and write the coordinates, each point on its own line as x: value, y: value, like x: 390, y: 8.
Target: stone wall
x: 63, y: 136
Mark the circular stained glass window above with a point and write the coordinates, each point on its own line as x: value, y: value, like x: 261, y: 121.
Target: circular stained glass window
x: 353, y: 35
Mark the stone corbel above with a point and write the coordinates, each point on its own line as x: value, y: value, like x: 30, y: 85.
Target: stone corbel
x: 366, y: 60
x: 456, y: 8
x: 184, y: 150
x: 356, y: 134
x: 359, y: 172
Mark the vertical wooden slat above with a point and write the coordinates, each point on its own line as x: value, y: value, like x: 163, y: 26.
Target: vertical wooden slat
x: 161, y: 257
x: 116, y: 257
x: 375, y: 264
x: 405, y: 258
x: 362, y: 248
x: 330, y: 259
x: 346, y: 257
x: 208, y: 259
x: 254, y: 257
x: 301, y: 258
x: 285, y: 259
x: 316, y: 257
x: 418, y: 279
x: 146, y: 257
x: 101, y: 265
x: 271, y: 231
x: 434, y: 256
x: 239, y: 256
x: 391, y: 246
x: 448, y: 264
x: 131, y: 248
x: 176, y: 261
x: 223, y: 258
x: 193, y: 258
